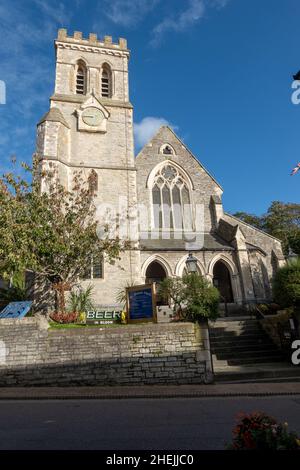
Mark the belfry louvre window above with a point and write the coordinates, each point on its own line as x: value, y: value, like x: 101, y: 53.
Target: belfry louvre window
x: 172, y: 208
x: 81, y: 80
x: 94, y: 270
x: 106, y: 85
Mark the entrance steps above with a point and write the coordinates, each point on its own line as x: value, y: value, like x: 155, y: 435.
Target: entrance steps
x: 243, y: 352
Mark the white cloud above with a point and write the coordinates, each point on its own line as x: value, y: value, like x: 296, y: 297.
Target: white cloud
x: 56, y: 11
x: 128, y: 12
x: 219, y: 3
x: 145, y: 130
x: 186, y: 18
x: 27, y: 68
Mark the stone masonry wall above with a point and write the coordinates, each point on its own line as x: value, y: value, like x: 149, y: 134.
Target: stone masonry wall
x: 33, y: 355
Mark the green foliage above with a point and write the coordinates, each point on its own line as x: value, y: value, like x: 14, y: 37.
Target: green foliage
x: 121, y: 296
x: 13, y: 294
x: 258, y: 431
x: 282, y: 220
x: 294, y: 242
x: 81, y: 300
x: 172, y: 290
x: 250, y: 219
x: 50, y: 230
x: 286, y: 285
x: 201, y: 297
x: 15, y: 291
x: 192, y: 296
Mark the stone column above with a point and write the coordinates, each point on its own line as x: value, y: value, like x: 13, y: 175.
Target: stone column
x: 244, y: 268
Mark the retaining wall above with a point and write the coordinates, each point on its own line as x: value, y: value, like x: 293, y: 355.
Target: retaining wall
x: 31, y: 354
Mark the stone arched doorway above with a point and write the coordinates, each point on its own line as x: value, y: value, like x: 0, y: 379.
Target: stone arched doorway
x: 156, y: 273
x: 222, y: 280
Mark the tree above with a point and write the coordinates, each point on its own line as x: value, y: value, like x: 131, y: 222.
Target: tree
x: 282, y: 220
x: 251, y: 219
x: 51, y: 232
x: 193, y: 297
x: 294, y: 242
x: 286, y: 285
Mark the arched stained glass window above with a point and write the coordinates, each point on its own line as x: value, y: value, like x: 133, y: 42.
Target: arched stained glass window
x: 171, y: 199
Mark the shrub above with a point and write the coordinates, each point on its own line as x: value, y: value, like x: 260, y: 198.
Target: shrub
x: 258, y: 431
x: 201, y: 297
x: 193, y: 297
x: 81, y: 300
x: 286, y: 285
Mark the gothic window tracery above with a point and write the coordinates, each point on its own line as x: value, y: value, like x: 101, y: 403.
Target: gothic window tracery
x: 171, y: 199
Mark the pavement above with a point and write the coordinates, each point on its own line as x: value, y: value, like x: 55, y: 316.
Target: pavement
x: 151, y: 391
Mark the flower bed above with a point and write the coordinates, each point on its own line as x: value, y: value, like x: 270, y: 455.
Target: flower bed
x: 258, y: 431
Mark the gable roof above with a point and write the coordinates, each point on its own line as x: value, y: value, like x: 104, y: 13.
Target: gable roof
x: 241, y: 222
x: 183, y: 145
x: 54, y: 115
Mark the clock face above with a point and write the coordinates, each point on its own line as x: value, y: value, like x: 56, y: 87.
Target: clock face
x: 92, y: 116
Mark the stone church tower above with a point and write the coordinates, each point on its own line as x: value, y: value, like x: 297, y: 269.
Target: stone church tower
x: 90, y: 127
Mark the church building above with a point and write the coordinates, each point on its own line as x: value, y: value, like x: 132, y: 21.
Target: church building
x: 173, y: 204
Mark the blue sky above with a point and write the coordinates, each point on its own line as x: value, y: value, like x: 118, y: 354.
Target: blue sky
x: 218, y: 71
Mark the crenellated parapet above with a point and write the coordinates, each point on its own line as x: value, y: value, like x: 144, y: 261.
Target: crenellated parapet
x: 91, y: 41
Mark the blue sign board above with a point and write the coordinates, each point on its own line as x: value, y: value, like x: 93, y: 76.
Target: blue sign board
x: 141, y: 305
x: 15, y: 310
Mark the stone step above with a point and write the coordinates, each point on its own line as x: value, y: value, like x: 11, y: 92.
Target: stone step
x: 238, y: 340
x: 279, y: 372
x: 240, y: 344
x: 237, y: 349
x: 218, y: 329
x: 254, y: 360
x: 243, y: 337
x: 252, y: 355
x: 235, y: 324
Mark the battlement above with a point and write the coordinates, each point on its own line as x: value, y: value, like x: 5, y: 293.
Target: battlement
x: 92, y: 40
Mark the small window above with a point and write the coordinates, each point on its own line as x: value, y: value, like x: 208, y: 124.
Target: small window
x: 81, y: 80
x: 167, y: 149
x: 94, y: 269
x: 106, y: 85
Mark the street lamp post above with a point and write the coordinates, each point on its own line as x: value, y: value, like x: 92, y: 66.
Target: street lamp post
x: 191, y: 264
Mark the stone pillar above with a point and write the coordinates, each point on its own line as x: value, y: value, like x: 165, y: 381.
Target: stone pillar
x: 244, y: 268
x: 204, y: 354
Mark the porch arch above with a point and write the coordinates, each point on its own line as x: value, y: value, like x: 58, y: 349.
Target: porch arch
x: 179, y: 270
x: 233, y: 276
x: 158, y: 259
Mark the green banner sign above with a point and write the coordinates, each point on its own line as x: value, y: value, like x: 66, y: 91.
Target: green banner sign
x: 103, y: 316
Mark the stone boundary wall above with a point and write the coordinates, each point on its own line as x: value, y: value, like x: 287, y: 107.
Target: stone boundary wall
x: 31, y: 354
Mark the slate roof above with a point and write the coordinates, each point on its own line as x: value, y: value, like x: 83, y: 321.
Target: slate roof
x: 212, y: 242
x: 54, y: 115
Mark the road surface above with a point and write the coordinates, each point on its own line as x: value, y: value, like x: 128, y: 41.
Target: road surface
x: 141, y: 424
